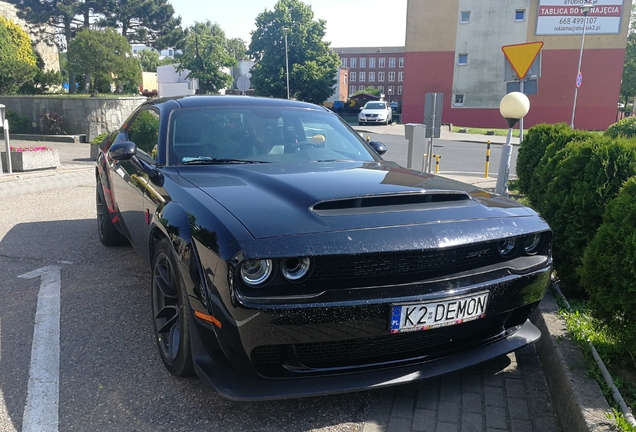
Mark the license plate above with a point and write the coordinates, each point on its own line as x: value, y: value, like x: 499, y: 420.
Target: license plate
x: 426, y: 316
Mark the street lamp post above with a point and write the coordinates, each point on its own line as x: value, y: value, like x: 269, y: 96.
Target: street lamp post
x: 390, y: 93
x: 285, y: 31
x: 585, y: 8
x: 513, y: 107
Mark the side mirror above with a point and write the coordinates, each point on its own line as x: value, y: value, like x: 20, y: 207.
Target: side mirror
x: 378, y: 147
x: 122, y: 151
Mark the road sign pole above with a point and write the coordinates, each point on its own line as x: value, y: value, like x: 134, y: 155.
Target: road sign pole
x: 521, y: 89
x: 578, y: 74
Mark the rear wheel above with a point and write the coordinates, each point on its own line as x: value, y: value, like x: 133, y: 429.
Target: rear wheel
x: 170, y: 312
x: 106, y: 229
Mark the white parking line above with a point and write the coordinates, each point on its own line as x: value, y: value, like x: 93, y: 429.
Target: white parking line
x: 42, y: 404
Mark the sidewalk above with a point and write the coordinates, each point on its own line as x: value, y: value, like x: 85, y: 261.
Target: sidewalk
x: 398, y: 129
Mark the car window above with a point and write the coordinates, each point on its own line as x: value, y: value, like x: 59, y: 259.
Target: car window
x: 144, y: 132
x: 375, y: 105
x: 262, y: 134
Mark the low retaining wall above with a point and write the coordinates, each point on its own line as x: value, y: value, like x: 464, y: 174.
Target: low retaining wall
x: 81, y: 115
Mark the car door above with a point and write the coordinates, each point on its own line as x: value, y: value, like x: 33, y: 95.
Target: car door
x: 129, y: 183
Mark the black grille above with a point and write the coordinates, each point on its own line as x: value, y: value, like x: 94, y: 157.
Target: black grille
x: 403, y: 263
x: 389, y: 348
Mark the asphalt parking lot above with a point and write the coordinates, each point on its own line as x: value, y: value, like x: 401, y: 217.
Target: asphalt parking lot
x: 543, y: 387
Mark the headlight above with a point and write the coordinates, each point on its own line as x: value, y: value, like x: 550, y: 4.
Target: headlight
x: 255, y: 272
x: 532, y: 243
x: 294, y: 269
x: 507, y: 247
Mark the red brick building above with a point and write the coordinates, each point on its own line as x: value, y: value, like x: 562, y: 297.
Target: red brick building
x: 378, y: 67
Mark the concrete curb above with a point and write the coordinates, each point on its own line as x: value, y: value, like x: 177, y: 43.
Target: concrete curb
x: 578, y: 400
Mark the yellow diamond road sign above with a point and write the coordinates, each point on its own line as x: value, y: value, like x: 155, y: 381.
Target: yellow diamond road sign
x: 521, y: 56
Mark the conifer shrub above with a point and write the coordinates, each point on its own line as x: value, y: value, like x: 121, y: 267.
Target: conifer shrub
x: 588, y: 175
x: 532, y: 149
x: 625, y: 128
x: 608, y: 273
x: 544, y: 172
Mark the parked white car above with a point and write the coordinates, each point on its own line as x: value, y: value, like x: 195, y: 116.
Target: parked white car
x: 375, y: 112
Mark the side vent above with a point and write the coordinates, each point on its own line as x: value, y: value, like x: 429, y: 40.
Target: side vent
x: 393, y: 203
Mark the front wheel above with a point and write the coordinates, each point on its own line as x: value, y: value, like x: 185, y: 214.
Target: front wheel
x: 170, y: 312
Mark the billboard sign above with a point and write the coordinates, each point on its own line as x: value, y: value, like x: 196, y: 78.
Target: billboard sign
x: 564, y: 17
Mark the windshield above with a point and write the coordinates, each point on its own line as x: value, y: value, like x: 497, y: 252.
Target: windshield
x: 375, y: 105
x: 261, y: 134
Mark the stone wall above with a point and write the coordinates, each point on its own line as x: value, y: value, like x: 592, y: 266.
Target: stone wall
x: 81, y: 115
x: 43, y: 37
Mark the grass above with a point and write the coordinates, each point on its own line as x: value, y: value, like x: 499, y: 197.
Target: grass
x: 620, y: 364
x: 482, y: 131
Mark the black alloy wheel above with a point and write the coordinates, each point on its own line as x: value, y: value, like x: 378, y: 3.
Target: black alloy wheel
x: 106, y: 230
x: 170, y: 312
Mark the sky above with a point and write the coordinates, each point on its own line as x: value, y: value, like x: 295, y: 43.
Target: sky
x: 350, y: 23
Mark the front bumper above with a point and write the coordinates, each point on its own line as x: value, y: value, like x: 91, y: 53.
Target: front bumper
x: 282, y: 351
x: 236, y: 385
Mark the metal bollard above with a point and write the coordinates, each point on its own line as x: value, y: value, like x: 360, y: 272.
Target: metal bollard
x: 437, y: 158
x: 487, y: 159
x: 7, y: 146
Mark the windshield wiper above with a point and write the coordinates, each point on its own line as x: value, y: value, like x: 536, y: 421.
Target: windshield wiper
x: 209, y: 160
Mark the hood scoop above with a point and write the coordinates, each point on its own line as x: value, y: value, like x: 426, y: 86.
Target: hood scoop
x: 393, y: 203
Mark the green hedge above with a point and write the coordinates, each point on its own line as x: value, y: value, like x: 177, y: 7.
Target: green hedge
x: 624, y: 128
x: 18, y: 123
x: 608, y: 273
x: 532, y: 150
x: 585, y: 177
x: 541, y: 173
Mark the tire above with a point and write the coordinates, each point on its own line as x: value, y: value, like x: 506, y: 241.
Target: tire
x: 170, y: 311
x: 106, y: 229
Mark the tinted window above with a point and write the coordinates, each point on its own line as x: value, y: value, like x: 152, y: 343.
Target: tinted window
x: 264, y: 134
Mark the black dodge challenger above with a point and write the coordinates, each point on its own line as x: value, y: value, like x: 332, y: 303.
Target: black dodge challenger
x: 289, y: 259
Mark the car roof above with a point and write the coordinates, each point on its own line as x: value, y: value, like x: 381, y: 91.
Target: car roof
x: 197, y: 101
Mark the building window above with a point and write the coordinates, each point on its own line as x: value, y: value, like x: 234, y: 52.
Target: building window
x: 371, y: 76
x: 520, y: 15
x: 401, y: 62
x: 352, y: 89
x: 372, y: 62
x: 381, y: 62
x: 381, y: 88
x: 462, y: 59
x: 343, y: 62
x: 353, y: 62
x: 361, y: 87
x: 363, y: 62
x: 390, y: 90
x: 459, y: 99
x: 363, y: 76
x: 464, y: 17
x: 399, y: 90
x: 353, y: 76
x: 392, y: 62
x: 381, y: 76
x: 391, y: 76
x: 400, y: 76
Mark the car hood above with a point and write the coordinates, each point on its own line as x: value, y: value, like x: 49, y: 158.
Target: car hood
x: 273, y: 200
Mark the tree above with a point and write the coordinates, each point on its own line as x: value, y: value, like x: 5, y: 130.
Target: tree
x: 107, y: 57
x: 368, y: 90
x: 205, y: 55
x: 150, y: 22
x: 236, y: 48
x: 312, y: 64
x: 17, y: 58
x: 149, y: 60
x: 628, y: 83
